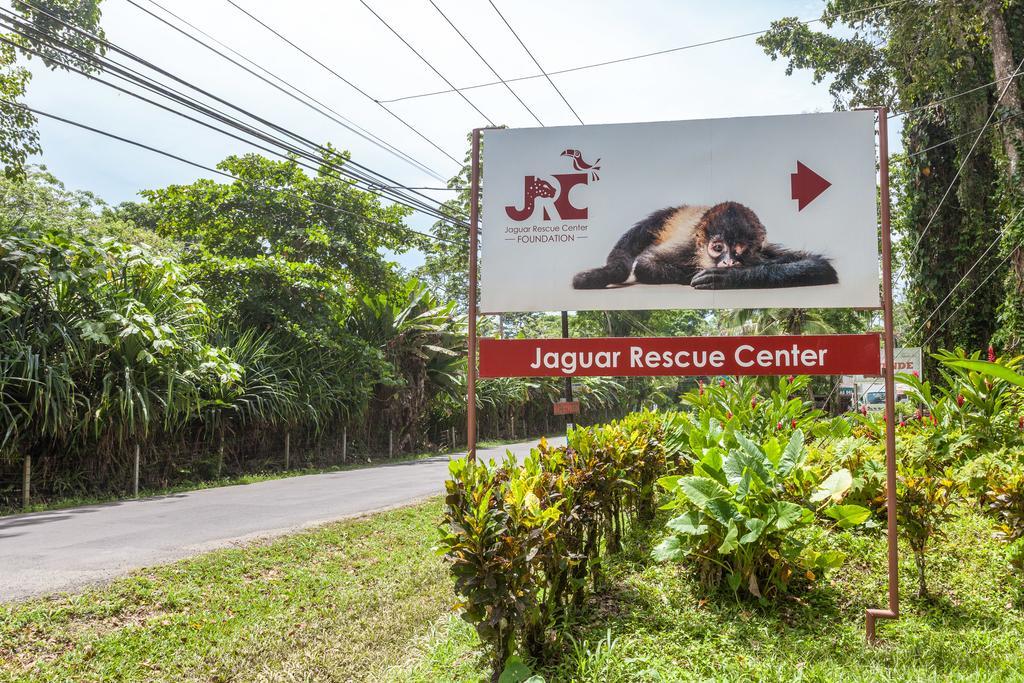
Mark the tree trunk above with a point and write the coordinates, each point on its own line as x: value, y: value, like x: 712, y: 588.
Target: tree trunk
x: 1013, y: 127
x: 1005, y: 64
x: 922, y: 583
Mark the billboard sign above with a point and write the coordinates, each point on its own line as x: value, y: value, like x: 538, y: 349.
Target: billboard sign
x: 775, y: 211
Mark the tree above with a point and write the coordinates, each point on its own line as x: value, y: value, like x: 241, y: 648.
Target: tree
x: 915, y: 57
x: 44, y: 21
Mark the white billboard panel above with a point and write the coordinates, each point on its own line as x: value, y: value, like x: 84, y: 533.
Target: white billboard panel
x: 776, y: 211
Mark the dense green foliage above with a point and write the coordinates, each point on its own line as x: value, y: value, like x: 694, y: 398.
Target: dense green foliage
x: 928, y: 59
x: 758, y: 485
x: 525, y: 541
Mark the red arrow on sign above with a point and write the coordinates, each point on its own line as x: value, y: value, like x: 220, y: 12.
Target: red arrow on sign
x: 807, y: 185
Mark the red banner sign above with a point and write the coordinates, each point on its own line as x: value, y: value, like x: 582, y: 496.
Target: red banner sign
x: 841, y: 354
x: 567, y: 408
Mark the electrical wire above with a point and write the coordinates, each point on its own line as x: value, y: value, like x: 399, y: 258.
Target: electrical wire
x: 344, y: 80
x: 963, y: 164
x: 321, y: 108
x: 631, y: 58
x: 136, y: 77
x: 425, y: 61
x: 544, y: 73
x: 992, y: 272
x: 217, y: 171
x: 486, y: 63
x: 970, y: 270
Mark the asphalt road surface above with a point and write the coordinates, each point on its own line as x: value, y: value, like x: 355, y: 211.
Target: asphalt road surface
x: 48, y: 552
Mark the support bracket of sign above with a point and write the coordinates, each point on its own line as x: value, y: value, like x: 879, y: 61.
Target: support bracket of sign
x: 889, y: 374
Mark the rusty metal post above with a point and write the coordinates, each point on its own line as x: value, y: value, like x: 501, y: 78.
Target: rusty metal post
x: 474, y: 222
x: 569, y: 421
x: 893, y: 611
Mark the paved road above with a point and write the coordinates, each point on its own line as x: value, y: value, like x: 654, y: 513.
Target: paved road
x: 47, y: 552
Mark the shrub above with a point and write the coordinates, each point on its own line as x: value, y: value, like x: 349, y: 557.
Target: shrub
x: 737, y: 520
x: 524, y: 541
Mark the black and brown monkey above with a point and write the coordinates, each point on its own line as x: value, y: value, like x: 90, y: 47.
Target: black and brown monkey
x: 720, y: 247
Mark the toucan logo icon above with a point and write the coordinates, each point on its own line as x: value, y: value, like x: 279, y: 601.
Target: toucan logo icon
x: 537, y: 188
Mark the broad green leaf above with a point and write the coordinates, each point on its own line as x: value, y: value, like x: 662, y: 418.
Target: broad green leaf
x: 990, y: 369
x: 670, y: 484
x: 730, y: 542
x: 670, y: 549
x: 848, y: 516
x: 787, y: 514
x: 755, y: 527
x: 515, y: 671
x: 835, y: 486
x: 688, y: 523
x: 794, y: 453
x: 702, y: 490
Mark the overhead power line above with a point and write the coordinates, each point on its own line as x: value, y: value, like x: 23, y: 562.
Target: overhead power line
x: 281, y: 84
x: 544, y: 73
x: 371, y: 178
x: 424, y: 60
x: 210, y: 169
x: 344, y: 80
x: 970, y: 270
x: 992, y: 271
x: 486, y: 63
x: 631, y: 58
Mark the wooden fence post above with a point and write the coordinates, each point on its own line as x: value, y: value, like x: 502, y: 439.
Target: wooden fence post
x: 391, y: 443
x: 344, y: 444
x: 26, y: 483
x: 287, y: 449
x: 453, y: 437
x: 135, y: 478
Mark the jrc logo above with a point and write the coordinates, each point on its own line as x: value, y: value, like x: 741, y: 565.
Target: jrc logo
x: 535, y: 188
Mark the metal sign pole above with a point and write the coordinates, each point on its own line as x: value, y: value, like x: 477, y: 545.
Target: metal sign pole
x: 474, y: 221
x: 893, y: 611
x: 568, y: 380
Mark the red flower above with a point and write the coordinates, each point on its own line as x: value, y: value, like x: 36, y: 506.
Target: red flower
x: 934, y: 420
x: 790, y: 379
x: 792, y: 423
x: 960, y: 400
x: 863, y: 410
x: 753, y: 402
x: 728, y: 415
x: 701, y: 393
x: 778, y: 426
x: 903, y: 423
x: 991, y: 354
x: 721, y: 383
x: 919, y: 415
x: 914, y: 373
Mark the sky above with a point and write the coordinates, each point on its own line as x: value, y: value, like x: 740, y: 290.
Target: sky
x: 733, y: 78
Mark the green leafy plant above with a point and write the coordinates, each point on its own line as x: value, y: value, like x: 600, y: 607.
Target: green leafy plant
x: 735, y: 518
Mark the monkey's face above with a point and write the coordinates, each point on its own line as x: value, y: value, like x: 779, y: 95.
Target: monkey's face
x: 726, y: 251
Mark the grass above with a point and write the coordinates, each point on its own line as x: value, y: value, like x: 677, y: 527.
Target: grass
x: 368, y: 599
x: 653, y: 623
x: 340, y: 603
x: 78, y: 501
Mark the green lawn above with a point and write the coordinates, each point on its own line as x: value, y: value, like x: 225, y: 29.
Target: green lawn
x: 340, y: 603
x: 652, y: 623
x: 368, y: 600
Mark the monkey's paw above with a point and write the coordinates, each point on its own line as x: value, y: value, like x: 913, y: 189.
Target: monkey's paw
x: 711, y: 278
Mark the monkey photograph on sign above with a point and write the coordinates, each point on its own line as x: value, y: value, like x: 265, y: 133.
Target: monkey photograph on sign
x: 757, y: 212
x: 721, y: 247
